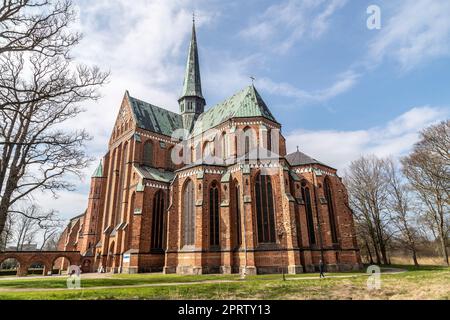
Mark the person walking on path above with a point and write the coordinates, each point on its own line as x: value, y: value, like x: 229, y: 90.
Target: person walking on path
x: 321, y: 269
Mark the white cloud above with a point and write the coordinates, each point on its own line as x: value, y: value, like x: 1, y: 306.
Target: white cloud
x: 343, y: 83
x: 339, y: 148
x: 282, y: 25
x: 415, y: 32
x: 140, y: 42
x: 321, y: 23
x: 68, y: 203
x: 418, y: 31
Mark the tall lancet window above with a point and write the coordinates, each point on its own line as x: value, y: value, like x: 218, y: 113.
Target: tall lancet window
x: 224, y: 146
x: 189, y: 214
x: 331, y: 215
x: 247, y: 147
x: 148, y: 154
x: 214, y: 216
x: 306, y: 194
x: 265, y: 209
x: 158, y: 221
x: 237, y: 214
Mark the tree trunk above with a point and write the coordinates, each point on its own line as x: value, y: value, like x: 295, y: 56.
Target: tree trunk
x: 444, y: 250
x: 384, y: 254
x: 414, y: 256
x: 377, y: 254
x: 375, y: 246
x: 2, y: 221
x: 369, y: 252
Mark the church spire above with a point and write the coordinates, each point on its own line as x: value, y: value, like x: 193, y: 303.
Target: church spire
x: 192, y: 82
x: 192, y: 103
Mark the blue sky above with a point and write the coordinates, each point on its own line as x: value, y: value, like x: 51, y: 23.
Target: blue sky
x: 339, y: 89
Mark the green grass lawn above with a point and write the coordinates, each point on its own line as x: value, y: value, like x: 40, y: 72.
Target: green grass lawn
x: 422, y: 283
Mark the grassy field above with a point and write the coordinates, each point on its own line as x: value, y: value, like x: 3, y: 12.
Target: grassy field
x: 424, y: 283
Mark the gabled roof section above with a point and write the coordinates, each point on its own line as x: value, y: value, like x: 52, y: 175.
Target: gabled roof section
x: 300, y: 159
x: 153, y: 118
x: 244, y: 104
x: 155, y: 174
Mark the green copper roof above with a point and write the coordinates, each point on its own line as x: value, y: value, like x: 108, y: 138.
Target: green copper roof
x: 140, y: 187
x: 244, y: 104
x: 155, y: 174
x: 192, y: 81
x: 98, y: 172
x: 226, y: 177
x: 155, y: 119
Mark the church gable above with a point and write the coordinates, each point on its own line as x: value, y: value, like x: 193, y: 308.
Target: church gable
x: 124, y: 121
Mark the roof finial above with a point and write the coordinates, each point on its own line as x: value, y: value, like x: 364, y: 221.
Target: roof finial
x: 193, y: 16
x: 253, y: 80
x: 298, y: 149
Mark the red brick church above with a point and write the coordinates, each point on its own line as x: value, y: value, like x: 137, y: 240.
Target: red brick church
x: 210, y: 192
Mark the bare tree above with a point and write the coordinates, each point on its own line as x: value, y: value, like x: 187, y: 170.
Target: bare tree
x: 39, y: 91
x: 27, y: 227
x: 50, y: 228
x: 52, y: 242
x: 364, y: 239
x: 428, y: 171
x: 36, y: 25
x: 367, y: 185
x: 7, y: 234
x: 33, y: 225
x: 401, y: 205
x: 435, y: 141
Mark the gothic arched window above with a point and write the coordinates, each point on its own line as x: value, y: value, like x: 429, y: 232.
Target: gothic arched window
x: 224, y: 146
x: 192, y: 154
x: 169, y: 162
x: 209, y: 151
x: 132, y: 201
x: 158, y: 221
x: 148, y: 154
x: 237, y: 214
x: 247, y: 146
x: 265, y: 209
x: 214, y: 216
x: 331, y: 215
x: 306, y: 195
x: 248, y: 136
x: 269, y: 140
x: 189, y: 214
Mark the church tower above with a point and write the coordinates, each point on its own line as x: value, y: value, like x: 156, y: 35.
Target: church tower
x: 192, y: 103
x: 92, y: 227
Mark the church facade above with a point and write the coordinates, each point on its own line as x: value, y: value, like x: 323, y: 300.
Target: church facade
x: 210, y: 192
